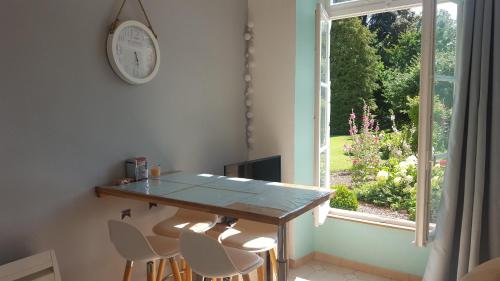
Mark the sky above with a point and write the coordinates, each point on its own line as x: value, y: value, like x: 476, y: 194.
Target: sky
x: 450, y: 7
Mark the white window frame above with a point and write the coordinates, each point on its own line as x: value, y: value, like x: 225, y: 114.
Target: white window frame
x: 425, y: 122
x: 321, y: 15
x: 355, y: 8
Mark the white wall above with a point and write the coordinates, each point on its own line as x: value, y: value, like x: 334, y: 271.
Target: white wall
x: 274, y: 81
x: 67, y: 122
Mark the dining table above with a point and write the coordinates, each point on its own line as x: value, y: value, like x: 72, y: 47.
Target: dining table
x: 260, y: 201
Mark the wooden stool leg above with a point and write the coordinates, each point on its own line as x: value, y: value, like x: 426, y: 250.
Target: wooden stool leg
x: 161, y: 270
x: 260, y: 273
x: 150, y: 270
x: 128, y: 271
x: 183, y: 269
x: 246, y: 277
x: 175, y: 269
x: 188, y: 273
x: 274, y: 262
x: 235, y: 278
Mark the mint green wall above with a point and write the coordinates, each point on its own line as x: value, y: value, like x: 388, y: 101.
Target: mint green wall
x: 380, y: 246
x: 304, y: 91
x: 304, y: 114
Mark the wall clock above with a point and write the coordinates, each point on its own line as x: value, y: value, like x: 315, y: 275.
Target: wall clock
x: 133, y: 52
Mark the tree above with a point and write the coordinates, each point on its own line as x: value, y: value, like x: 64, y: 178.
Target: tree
x: 396, y: 46
x: 403, y: 79
x: 355, y: 68
x: 388, y: 26
x: 399, y: 85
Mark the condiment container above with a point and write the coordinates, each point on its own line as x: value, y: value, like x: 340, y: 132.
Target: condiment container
x: 137, y: 168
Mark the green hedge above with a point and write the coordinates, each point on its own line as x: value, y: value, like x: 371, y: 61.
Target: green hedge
x: 344, y: 198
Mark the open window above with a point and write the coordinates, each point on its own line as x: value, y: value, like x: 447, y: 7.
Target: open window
x: 430, y: 72
x: 322, y: 99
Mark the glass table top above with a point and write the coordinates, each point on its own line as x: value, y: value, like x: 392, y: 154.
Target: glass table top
x: 239, y: 197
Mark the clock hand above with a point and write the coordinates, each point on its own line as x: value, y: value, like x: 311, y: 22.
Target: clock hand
x: 136, y: 58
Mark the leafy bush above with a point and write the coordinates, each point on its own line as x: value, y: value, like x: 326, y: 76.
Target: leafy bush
x: 441, y: 117
x: 395, y: 145
x: 344, y: 198
x: 395, y: 188
x: 365, y: 149
x: 437, y: 181
x: 413, y: 104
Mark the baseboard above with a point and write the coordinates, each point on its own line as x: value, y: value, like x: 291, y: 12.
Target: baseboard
x: 375, y: 270
x: 294, y: 263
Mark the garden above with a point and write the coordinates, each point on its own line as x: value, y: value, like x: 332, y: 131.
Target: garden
x: 374, y: 111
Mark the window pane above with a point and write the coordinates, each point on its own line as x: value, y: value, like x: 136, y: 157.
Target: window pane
x: 324, y: 123
x: 445, y: 57
x: 323, y: 169
x: 375, y: 74
x: 325, y: 61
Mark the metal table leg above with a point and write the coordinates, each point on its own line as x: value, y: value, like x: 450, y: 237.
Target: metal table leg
x: 282, y: 255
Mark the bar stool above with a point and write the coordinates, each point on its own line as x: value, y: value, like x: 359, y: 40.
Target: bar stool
x: 209, y: 258
x: 250, y: 236
x: 134, y: 246
x: 487, y: 271
x: 185, y: 220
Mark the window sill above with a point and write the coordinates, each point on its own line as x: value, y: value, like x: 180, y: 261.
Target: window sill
x: 372, y: 219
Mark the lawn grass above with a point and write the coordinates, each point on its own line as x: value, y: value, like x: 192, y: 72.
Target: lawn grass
x: 338, y: 160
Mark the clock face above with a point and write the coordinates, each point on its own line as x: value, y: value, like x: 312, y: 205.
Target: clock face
x: 133, y: 52
x: 136, y: 52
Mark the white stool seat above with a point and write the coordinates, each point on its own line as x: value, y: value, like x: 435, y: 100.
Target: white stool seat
x: 185, y: 220
x: 247, y: 235
x: 210, y: 259
x: 245, y: 262
x: 163, y: 246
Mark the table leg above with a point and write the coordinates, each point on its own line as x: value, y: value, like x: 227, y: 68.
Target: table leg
x: 282, y: 255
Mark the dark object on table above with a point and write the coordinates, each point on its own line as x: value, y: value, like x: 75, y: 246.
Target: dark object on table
x: 267, y: 169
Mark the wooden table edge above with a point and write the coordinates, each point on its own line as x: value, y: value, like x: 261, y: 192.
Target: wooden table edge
x: 102, y: 191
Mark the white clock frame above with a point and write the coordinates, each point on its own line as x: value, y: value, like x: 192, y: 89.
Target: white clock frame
x: 113, y: 57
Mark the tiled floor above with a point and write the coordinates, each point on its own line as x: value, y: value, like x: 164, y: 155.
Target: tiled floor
x: 318, y: 271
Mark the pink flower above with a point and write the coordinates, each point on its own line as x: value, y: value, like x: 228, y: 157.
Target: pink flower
x: 347, y: 148
x: 352, y: 116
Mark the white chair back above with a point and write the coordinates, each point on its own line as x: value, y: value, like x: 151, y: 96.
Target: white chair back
x: 206, y: 256
x: 129, y: 241
x: 39, y: 267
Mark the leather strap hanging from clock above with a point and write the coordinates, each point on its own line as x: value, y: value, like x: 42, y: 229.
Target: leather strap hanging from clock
x: 117, y: 21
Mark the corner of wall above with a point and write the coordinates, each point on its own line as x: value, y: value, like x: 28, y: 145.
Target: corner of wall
x: 303, y: 229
